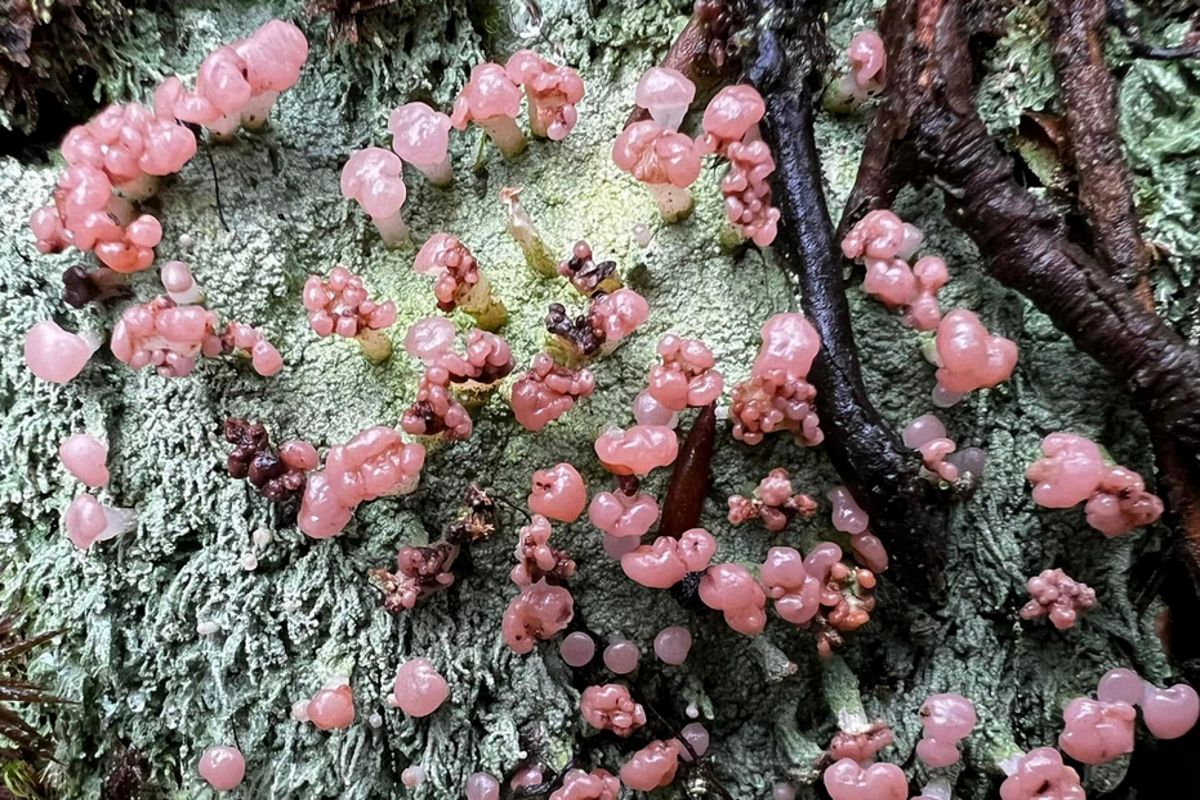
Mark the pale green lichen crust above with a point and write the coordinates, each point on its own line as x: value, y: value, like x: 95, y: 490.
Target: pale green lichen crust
x: 132, y: 656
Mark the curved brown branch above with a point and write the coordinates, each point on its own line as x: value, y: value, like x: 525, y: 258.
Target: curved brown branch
x: 689, y: 481
x: 1025, y: 244
x: 882, y: 474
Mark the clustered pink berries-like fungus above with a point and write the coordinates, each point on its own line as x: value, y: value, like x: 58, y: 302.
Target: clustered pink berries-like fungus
x: 1095, y: 731
x: 665, y: 160
x: 776, y: 396
x: 736, y: 593
x: 88, y: 521
x: 732, y: 116
x: 863, y: 744
x: 548, y: 391
x: 558, y: 493
x: 538, y: 613
x: 820, y: 589
x: 1060, y: 597
x: 747, y: 191
x: 56, y: 355
x: 1074, y: 470
x: 419, y: 688
x: 536, y: 559
x: 849, y: 517
x: 687, y: 376
x: 868, y: 62
x: 668, y: 561
x: 846, y: 780
x: 340, y: 305
x: 940, y: 454
x: 1168, y: 713
x: 460, y: 282
x: 598, y: 784
x: 1041, y: 775
x: 968, y: 357
x: 166, y: 336
x: 374, y: 178
x: 774, y: 503
x: 885, y: 243
x: 553, y: 92
x: 610, y: 708
x: 86, y: 458
x: 623, y: 514
x: 492, y: 101
x: 421, y: 137
x: 653, y: 766
x: 638, y: 450
x: 946, y: 719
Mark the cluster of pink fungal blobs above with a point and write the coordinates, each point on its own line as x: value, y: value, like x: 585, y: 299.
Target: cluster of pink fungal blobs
x: 377, y: 462
x: 736, y: 593
x: 624, y: 515
x: 88, y: 521
x: 848, y: 517
x: 598, y: 784
x: 968, y: 357
x: 548, y: 391
x: 847, y: 780
x: 553, y: 92
x: 819, y: 589
x: 419, y: 689
x: 653, y: 766
x: 341, y: 305
x: 668, y: 561
x: 86, y: 458
x: 610, y: 318
x: 588, y: 276
x: 538, y: 613
x: 610, y: 708
x: 330, y: 709
x: 863, y: 744
x: 868, y: 63
x: 56, y: 355
x: 665, y: 160
x: 774, y: 503
x: 1041, y: 774
x: 637, y: 450
x: 420, y: 572
x: 421, y: 137
x: 1056, y: 595
x: 776, y: 396
x: 1073, y: 470
x: 460, y: 283
x: 940, y: 454
x: 946, y: 719
x: 687, y: 377
x: 558, y: 493
x: 884, y: 244
x: 730, y: 125
x: 374, y: 178
x: 536, y: 559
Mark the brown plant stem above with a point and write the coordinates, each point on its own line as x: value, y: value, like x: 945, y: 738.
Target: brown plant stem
x: 689, y: 480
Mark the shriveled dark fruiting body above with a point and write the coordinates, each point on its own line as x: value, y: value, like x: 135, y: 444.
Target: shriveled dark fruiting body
x: 82, y: 286
x: 254, y: 459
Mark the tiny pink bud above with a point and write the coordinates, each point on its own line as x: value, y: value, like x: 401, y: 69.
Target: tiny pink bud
x: 223, y: 767
x: 85, y: 457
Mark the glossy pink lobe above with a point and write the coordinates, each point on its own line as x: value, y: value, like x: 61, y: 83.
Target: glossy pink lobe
x: 332, y: 708
x: 223, y: 768
x: 420, y: 689
x: 610, y: 707
x: 85, y: 457
x: 846, y: 780
x: 53, y: 354
x: 558, y: 493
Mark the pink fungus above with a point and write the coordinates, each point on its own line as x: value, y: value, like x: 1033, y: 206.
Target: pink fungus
x: 558, y: 493
x: 884, y: 243
x: 322, y: 515
x: 577, y: 649
x: 374, y: 177
x: 1041, y: 775
x: 536, y: 559
x: 848, y: 516
x: 881, y: 236
x: 1070, y: 472
x: 1096, y: 732
x: 537, y: 613
x: 412, y: 776
x: 166, y: 336
x: 430, y: 338
x: 796, y: 591
x: 732, y: 116
x: 421, y: 137
x: 460, y: 283
x: 667, y: 561
x: 695, y: 739
x: 666, y: 93
x: 588, y: 276
x: 969, y: 357
x: 1122, y: 503
x: 638, y: 450
x: 273, y: 56
x: 617, y: 315
x: 868, y: 60
x: 747, y: 191
x: 653, y: 766
x: 492, y: 101
x: 420, y: 689
x: 732, y: 590
x: 340, y: 305
x: 946, y: 719
x: 435, y: 412
x: 777, y: 396
x: 239, y: 337
x: 621, y: 657
x: 1170, y: 713
x: 610, y: 708
x: 648, y: 411
x: 846, y: 780
x: 223, y: 768
x: 420, y: 572
x: 88, y: 521
x: 553, y: 93
x: 863, y: 745
x: 1056, y: 595
x: 663, y: 159
x: 131, y: 146
x: 181, y: 287
x: 55, y: 355
x: 332, y: 708
x: 623, y: 515
x: 687, y: 376
x: 672, y: 645
x: 598, y: 784
x: 482, y: 786
x: 774, y: 503
x: 1120, y: 686
x: 548, y: 391
x: 377, y: 462
x: 86, y: 458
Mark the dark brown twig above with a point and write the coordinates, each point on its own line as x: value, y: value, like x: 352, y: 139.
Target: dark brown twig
x: 689, y: 480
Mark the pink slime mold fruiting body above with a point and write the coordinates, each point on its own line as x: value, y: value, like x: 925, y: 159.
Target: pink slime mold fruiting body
x: 733, y: 590
x: 747, y: 191
x: 687, y: 377
x: 588, y: 276
x: 610, y: 708
x: 732, y: 116
x: 1096, y: 732
x: 87, y: 521
x: 820, y: 589
x: 548, y: 391
x: 165, y: 336
x: 223, y: 768
x: 668, y: 561
x: 868, y: 62
x: 332, y: 708
x: 436, y: 412
x: 598, y: 784
x: 665, y: 160
x: 538, y: 613
x: 638, y: 450
x: 86, y: 458
x: 179, y: 284
x: 460, y: 282
x: 776, y: 396
x: 863, y: 745
x: 55, y: 355
x: 558, y: 493
x: 421, y: 137
x: 969, y: 357
x: 1170, y: 713
x: 648, y: 411
x: 774, y: 503
x: 1041, y: 775
x: 672, y: 645
x: 666, y: 93
x: 609, y: 320
x: 927, y: 435
x: 420, y: 572
x: 536, y: 559
x: 374, y: 178
x: 419, y: 688
x: 1056, y: 595
x: 946, y: 720
x: 884, y: 243
x: 786, y: 580
x: 846, y: 780
x: 653, y: 766
x: 340, y: 305
x: 492, y: 101
x: 622, y: 514
x: 553, y: 93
